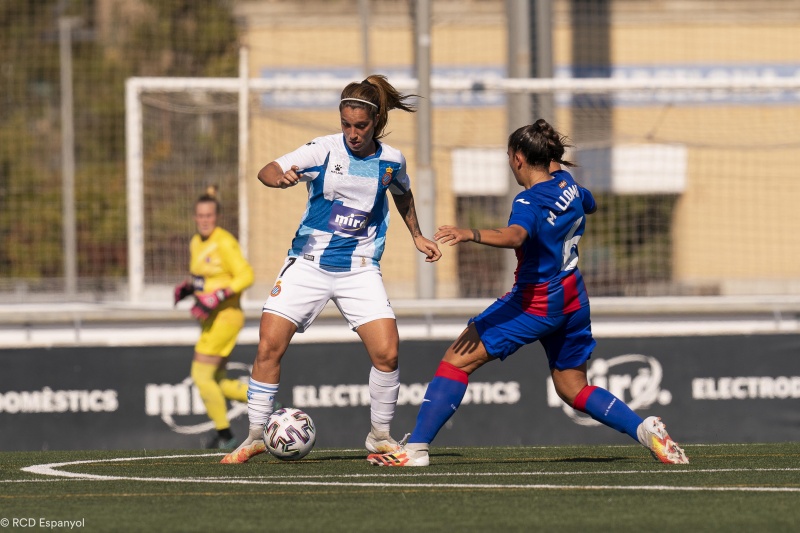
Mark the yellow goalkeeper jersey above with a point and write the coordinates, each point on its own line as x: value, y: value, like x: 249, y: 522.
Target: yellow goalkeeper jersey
x: 216, y: 263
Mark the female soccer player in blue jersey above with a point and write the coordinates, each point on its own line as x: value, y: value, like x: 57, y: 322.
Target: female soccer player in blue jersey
x: 335, y: 254
x: 548, y: 303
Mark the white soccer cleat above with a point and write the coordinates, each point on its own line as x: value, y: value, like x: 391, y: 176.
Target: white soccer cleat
x: 653, y: 435
x: 382, y: 442
x: 402, y: 457
x: 253, y: 445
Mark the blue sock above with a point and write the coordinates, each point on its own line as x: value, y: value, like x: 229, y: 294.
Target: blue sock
x: 607, y: 409
x: 444, y: 395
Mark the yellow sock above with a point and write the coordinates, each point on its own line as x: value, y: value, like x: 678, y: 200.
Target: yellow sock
x: 233, y: 389
x: 211, y: 393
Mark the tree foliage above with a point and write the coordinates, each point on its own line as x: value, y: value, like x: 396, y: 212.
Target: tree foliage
x: 145, y: 38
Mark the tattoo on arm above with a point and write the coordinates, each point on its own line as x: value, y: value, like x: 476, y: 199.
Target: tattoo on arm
x: 405, y: 206
x: 476, y: 235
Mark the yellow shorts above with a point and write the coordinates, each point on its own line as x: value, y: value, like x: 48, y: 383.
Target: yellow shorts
x: 219, y: 335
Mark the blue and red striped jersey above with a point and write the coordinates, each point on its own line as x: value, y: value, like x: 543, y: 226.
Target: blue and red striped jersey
x: 547, y: 280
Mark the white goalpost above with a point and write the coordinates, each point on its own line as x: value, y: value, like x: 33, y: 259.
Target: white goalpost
x: 134, y: 136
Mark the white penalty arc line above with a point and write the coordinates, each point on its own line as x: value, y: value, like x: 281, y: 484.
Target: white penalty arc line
x: 397, y: 474
x: 50, y: 469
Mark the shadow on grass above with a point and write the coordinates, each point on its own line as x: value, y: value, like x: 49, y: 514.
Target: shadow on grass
x: 455, y: 458
x: 363, y: 456
x: 530, y: 461
x: 589, y: 459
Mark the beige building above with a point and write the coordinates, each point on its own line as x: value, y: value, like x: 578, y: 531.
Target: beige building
x: 697, y: 189
x: 731, y: 217
x: 329, y: 42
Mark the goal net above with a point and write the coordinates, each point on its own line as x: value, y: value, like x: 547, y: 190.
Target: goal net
x: 695, y: 179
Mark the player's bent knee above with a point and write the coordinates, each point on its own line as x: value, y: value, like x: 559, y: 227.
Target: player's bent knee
x: 385, y: 363
x: 567, y: 399
x: 267, y: 353
x: 384, y: 355
x: 568, y: 393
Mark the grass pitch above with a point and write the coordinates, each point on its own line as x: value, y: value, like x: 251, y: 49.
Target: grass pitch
x: 747, y: 487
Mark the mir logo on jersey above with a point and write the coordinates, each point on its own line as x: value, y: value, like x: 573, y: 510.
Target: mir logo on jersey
x: 348, y: 220
x: 634, y: 378
x: 351, y: 223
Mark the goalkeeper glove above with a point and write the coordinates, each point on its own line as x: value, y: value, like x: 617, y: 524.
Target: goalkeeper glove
x: 182, y: 290
x: 207, y: 302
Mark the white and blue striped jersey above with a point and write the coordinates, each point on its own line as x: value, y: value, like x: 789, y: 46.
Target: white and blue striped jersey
x: 347, y: 214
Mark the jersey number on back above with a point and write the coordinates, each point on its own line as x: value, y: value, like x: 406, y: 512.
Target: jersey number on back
x: 569, y: 252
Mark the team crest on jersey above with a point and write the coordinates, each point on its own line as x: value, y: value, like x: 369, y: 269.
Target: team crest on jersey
x: 387, y: 177
x: 276, y: 290
x: 562, y: 184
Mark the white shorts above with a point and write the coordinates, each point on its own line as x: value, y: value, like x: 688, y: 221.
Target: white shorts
x: 303, y: 288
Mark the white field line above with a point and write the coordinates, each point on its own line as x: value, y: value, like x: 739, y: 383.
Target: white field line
x: 398, y: 474
x: 416, y: 473
x: 50, y: 469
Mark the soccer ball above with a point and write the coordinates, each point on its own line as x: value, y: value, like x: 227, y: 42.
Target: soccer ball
x: 289, y: 434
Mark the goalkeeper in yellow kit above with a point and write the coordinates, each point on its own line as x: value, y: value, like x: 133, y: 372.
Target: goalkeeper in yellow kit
x: 219, y: 275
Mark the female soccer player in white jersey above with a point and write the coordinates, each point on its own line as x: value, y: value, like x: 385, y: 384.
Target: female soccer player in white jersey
x: 548, y: 303
x: 335, y: 254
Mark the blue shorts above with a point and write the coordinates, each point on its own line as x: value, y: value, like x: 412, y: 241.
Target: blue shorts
x: 567, y: 339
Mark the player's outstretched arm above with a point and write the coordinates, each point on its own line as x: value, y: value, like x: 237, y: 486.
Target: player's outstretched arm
x: 405, y: 206
x: 272, y: 175
x: 510, y: 237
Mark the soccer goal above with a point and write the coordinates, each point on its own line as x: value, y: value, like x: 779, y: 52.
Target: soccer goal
x: 695, y: 178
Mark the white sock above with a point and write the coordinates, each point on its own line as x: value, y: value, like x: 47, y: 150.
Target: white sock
x: 260, y: 401
x: 418, y: 447
x: 384, y: 388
